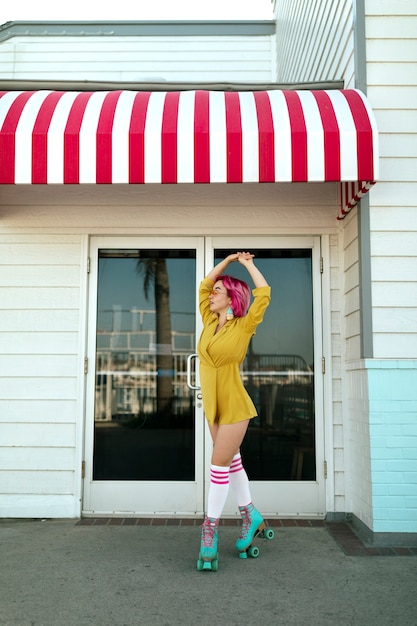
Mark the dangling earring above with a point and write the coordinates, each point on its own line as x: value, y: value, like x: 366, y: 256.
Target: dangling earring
x: 229, y: 314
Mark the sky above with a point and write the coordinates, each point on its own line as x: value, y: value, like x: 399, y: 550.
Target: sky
x: 41, y: 10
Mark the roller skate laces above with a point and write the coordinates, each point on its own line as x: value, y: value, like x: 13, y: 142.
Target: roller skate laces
x: 208, y: 557
x: 253, y: 525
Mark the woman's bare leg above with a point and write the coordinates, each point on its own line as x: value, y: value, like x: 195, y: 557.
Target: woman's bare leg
x: 227, y: 439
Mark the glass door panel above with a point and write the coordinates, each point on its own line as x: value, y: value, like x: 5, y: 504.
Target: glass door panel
x: 278, y: 371
x: 144, y: 418
x: 147, y: 447
x: 145, y: 432
x: 284, y: 447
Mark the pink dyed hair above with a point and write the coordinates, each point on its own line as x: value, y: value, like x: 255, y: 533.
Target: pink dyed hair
x: 239, y: 292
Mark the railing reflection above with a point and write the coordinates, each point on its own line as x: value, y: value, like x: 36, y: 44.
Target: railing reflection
x: 126, y: 382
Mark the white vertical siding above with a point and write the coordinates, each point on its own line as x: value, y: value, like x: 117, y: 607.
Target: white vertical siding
x: 391, y: 31
x: 148, y: 59
x: 314, y: 40
x: 39, y: 374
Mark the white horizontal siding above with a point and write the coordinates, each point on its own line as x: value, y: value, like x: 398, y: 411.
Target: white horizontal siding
x: 38, y: 321
x: 392, y: 344
x: 391, y: 25
x: 391, y: 31
x: 50, y: 505
x: 44, y: 276
x: 392, y: 244
x: 402, y: 293
x: 44, y: 388
x: 392, y: 100
x: 47, y: 342
x: 388, y: 51
x: 45, y: 365
x: 39, y: 372
x: 336, y: 419
x: 42, y: 458
x: 400, y: 268
x: 393, y: 195
x: 400, y: 169
x: 391, y: 147
x: 393, y: 74
x: 45, y: 411
x: 189, y: 59
x: 380, y: 8
x: 39, y: 297
x: 404, y: 123
x: 38, y: 435
x: 39, y: 482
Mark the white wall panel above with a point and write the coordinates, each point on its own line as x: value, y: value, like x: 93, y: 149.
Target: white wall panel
x: 391, y: 30
x: 191, y: 58
x: 40, y: 482
x: 394, y: 269
x: 37, y: 342
x: 41, y: 315
x: 38, y: 321
x: 43, y: 458
x: 31, y: 410
x: 37, y: 435
x: 39, y: 372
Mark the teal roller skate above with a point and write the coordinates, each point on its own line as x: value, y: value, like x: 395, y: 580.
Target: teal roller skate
x: 208, y: 559
x: 253, y: 525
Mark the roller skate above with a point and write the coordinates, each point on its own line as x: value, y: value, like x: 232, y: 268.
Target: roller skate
x: 253, y: 525
x: 208, y: 559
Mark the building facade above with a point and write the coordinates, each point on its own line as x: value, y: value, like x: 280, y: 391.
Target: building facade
x: 135, y: 154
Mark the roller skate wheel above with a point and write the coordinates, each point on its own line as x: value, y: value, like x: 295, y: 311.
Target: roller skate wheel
x: 253, y: 552
x: 200, y: 565
x: 243, y: 555
x: 269, y: 533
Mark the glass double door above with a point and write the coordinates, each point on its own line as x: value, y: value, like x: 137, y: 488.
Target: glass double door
x: 147, y: 448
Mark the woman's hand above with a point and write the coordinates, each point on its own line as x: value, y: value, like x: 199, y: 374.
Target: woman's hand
x: 245, y: 257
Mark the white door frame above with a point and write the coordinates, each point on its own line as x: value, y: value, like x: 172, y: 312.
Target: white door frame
x: 293, y: 498
x: 138, y: 497
x: 275, y: 499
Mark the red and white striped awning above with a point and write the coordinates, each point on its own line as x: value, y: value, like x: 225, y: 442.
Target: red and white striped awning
x: 54, y: 137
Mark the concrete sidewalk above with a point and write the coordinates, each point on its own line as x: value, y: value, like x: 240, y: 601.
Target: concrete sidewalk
x: 60, y: 573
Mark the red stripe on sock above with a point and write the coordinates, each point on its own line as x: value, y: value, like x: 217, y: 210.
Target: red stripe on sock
x: 236, y: 465
x: 219, y: 478
x: 236, y: 468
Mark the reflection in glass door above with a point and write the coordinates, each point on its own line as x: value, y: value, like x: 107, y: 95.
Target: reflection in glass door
x: 144, y: 427
x: 144, y: 420
x: 147, y: 449
x: 279, y: 371
x: 283, y: 450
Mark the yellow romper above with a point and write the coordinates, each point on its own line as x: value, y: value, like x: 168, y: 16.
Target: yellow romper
x: 225, y: 398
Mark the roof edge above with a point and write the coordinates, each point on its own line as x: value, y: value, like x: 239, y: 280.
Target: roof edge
x: 135, y: 28
x: 59, y: 85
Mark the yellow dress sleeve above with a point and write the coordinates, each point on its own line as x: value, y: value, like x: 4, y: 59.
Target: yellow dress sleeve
x: 262, y: 298
x: 206, y: 287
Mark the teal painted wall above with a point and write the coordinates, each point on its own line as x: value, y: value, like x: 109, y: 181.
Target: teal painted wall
x: 393, y: 444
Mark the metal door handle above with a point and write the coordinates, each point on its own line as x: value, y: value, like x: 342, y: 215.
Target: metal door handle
x: 189, y: 360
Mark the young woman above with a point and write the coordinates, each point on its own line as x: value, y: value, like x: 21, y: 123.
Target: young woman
x: 228, y: 325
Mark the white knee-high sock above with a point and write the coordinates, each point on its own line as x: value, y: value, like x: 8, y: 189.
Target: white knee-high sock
x: 239, y: 481
x: 219, y: 487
